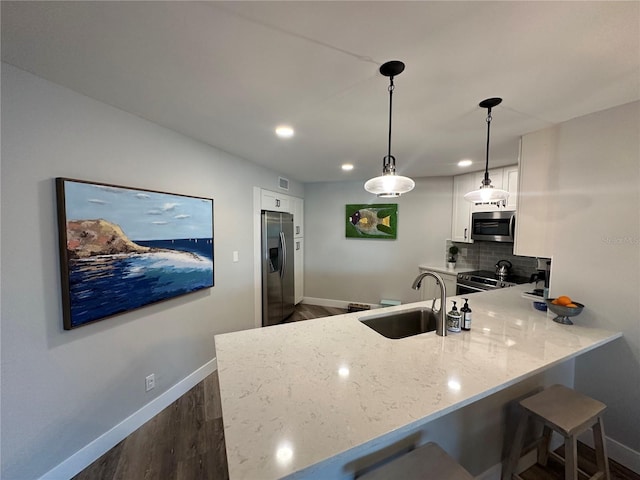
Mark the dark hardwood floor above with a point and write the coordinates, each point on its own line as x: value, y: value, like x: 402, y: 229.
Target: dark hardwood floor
x: 183, y: 442
x: 554, y: 470
x: 186, y: 440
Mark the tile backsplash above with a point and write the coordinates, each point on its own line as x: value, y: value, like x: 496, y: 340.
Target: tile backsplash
x: 484, y: 256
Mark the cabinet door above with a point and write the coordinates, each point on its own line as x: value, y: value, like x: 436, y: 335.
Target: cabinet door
x: 510, y: 184
x: 495, y: 174
x: 298, y: 269
x: 461, y: 221
x: 298, y: 217
x: 535, y: 193
x: 450, y: 283
x: 275, y: 201
x: 431, y: 290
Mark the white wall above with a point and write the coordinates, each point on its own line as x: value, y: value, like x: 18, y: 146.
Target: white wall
x: 593, y: 225
x: 368, y: 270
x: 62, y: 389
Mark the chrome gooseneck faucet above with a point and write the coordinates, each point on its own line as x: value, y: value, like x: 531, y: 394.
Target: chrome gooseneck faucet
x: 441, y: 326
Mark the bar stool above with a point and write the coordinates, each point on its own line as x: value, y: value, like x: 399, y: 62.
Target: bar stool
x: 568, y: 413
x: 428, y: 462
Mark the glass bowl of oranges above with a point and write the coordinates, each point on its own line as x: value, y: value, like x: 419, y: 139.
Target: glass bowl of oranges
x: 564, y: 308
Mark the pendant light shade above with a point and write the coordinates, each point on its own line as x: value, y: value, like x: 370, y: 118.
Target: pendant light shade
x: 487, y: 193
x: 389, y: 184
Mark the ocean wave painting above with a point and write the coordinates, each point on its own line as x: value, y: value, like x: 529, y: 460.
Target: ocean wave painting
x: 124, y: 248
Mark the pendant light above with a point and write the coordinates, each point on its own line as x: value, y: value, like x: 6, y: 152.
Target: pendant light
x: 487, y: 193
x: 389, y: 184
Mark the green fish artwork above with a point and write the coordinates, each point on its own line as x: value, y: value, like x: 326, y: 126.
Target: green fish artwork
x: 372, y: 221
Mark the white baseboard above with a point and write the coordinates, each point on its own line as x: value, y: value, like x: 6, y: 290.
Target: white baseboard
x: 616, y: 451
x: 327, y: 302
x: 105, y: 442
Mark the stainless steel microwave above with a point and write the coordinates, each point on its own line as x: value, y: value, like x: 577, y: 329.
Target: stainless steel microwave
x: 493, y: 226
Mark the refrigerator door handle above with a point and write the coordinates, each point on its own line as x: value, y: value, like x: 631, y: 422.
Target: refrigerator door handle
x: 283, y: 248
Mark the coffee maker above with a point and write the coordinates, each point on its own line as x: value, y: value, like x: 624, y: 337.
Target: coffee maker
x: 541, y: 277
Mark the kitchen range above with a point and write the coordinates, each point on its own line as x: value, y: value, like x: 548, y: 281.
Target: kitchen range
x: 483, y: 280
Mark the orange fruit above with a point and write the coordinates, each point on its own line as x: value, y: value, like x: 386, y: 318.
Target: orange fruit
x: 563, y: 300
x: 555, y: 301
x: 571, y: 305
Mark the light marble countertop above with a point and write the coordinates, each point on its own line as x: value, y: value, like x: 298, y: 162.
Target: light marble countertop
x: 445, y: 269
x: 298, y: 394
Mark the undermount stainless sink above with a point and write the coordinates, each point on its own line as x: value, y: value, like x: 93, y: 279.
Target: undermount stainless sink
x: 403, y: 324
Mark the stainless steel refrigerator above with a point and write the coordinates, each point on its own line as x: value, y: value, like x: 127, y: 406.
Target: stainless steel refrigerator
x: 277, y: 267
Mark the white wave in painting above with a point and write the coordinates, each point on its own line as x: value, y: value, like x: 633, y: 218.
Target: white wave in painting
x: 177, y: 260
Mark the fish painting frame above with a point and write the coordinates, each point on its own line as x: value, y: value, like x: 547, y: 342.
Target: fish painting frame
x: 378, y: 221
x: 124, y: 248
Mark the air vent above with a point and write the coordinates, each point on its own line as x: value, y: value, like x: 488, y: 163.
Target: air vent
x: 283, y: 183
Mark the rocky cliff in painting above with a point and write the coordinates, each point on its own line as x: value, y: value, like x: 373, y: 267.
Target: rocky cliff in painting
x: 87, y: 238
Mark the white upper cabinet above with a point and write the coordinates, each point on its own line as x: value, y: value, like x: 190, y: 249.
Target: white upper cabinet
x: 504, y: 178
x: 534, y: 194
x: 461, y: 221
x: 510, y: 184
x: 495, y: 174
x: 275, y: 202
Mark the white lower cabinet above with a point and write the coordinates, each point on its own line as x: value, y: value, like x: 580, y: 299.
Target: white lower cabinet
x: 430, y: 290
x: 298, y: 269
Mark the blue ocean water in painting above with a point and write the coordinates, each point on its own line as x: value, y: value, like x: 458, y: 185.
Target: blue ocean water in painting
x: 109, y: 284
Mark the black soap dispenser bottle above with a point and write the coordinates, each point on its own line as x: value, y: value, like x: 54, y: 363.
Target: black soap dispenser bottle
x: 466, y: 315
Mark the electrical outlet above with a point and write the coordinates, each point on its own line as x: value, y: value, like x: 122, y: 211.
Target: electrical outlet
x: 150, y: 382
x: 235, y: 256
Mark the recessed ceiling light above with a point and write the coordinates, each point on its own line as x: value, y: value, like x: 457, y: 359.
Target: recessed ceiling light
x: 284, y: 131
x: 464, y: 163
x: 347, y: 167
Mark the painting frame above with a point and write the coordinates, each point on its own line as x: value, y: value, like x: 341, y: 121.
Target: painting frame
x: 373, y: 220
x: 120, y: 251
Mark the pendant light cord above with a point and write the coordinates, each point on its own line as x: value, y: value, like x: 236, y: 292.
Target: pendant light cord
x: 389, y: 184
x: 391, y: 87
x: 486, y: 166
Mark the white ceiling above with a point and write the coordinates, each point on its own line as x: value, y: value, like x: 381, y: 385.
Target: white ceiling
x: 227, y: 73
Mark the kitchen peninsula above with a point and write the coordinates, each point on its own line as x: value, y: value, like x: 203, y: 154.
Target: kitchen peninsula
x: 321, y: 398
